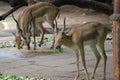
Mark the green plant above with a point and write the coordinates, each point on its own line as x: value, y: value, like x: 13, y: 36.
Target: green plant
x: 14, y: 77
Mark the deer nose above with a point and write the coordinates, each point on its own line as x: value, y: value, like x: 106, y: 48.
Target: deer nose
x: 58, y: 47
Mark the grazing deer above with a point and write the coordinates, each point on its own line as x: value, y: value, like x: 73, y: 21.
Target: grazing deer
x: 18, y: 33
x: 40, y: 12
x: 90, y: 33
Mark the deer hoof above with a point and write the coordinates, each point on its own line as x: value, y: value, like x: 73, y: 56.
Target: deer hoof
x: 39, y: 45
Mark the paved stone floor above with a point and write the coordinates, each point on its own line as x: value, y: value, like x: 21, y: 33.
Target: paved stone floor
x: 53, y: 66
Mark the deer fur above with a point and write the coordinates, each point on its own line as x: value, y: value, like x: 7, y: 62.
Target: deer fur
x: 90, y: 33
x: 31, y: 2
x: 41, y: 12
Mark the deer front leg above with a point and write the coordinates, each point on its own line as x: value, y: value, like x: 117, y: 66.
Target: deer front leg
x: 77, y: 63
x: 34, y: 31
x: 28, y: 44
x: 81, y: 48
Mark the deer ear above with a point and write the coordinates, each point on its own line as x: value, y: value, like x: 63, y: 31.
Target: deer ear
x: 55, y: 27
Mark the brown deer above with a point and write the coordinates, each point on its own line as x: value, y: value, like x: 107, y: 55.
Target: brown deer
x: 31, y: 2
x: 41, y: 12
x: 90, y: 33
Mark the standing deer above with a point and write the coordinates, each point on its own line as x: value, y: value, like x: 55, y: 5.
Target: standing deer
x: 90, y: 33
x: 41, y: 12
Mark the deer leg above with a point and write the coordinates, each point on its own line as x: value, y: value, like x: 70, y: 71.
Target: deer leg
x: 34, y: 27
x: 77, y: 63
x: 51, y: 23
x: 102, y: 50
x: 28, y: 45
x: 98, y: 57
x: 52, y: 46
x: 34, y: 38
x: 34, y: 43
x: 81, y: 47
x: 43, y: 32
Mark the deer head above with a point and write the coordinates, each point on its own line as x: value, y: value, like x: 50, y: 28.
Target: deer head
x: 59, y: 35
x: 18, y: 40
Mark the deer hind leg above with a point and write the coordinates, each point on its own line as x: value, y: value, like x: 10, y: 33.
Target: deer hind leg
x: 98, y: 57
x: 81, y: 47
x: 34, y: 31
x: 102, y: 50
x: 43, y: 32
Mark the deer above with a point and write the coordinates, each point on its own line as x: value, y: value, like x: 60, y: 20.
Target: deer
x: 90, y: 33
x: 41, y: 12
x: 19, y: 30
x: 19, y: 36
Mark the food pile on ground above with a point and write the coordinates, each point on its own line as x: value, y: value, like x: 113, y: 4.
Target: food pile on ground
x: 14, y: 77
x: 47, y: 41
